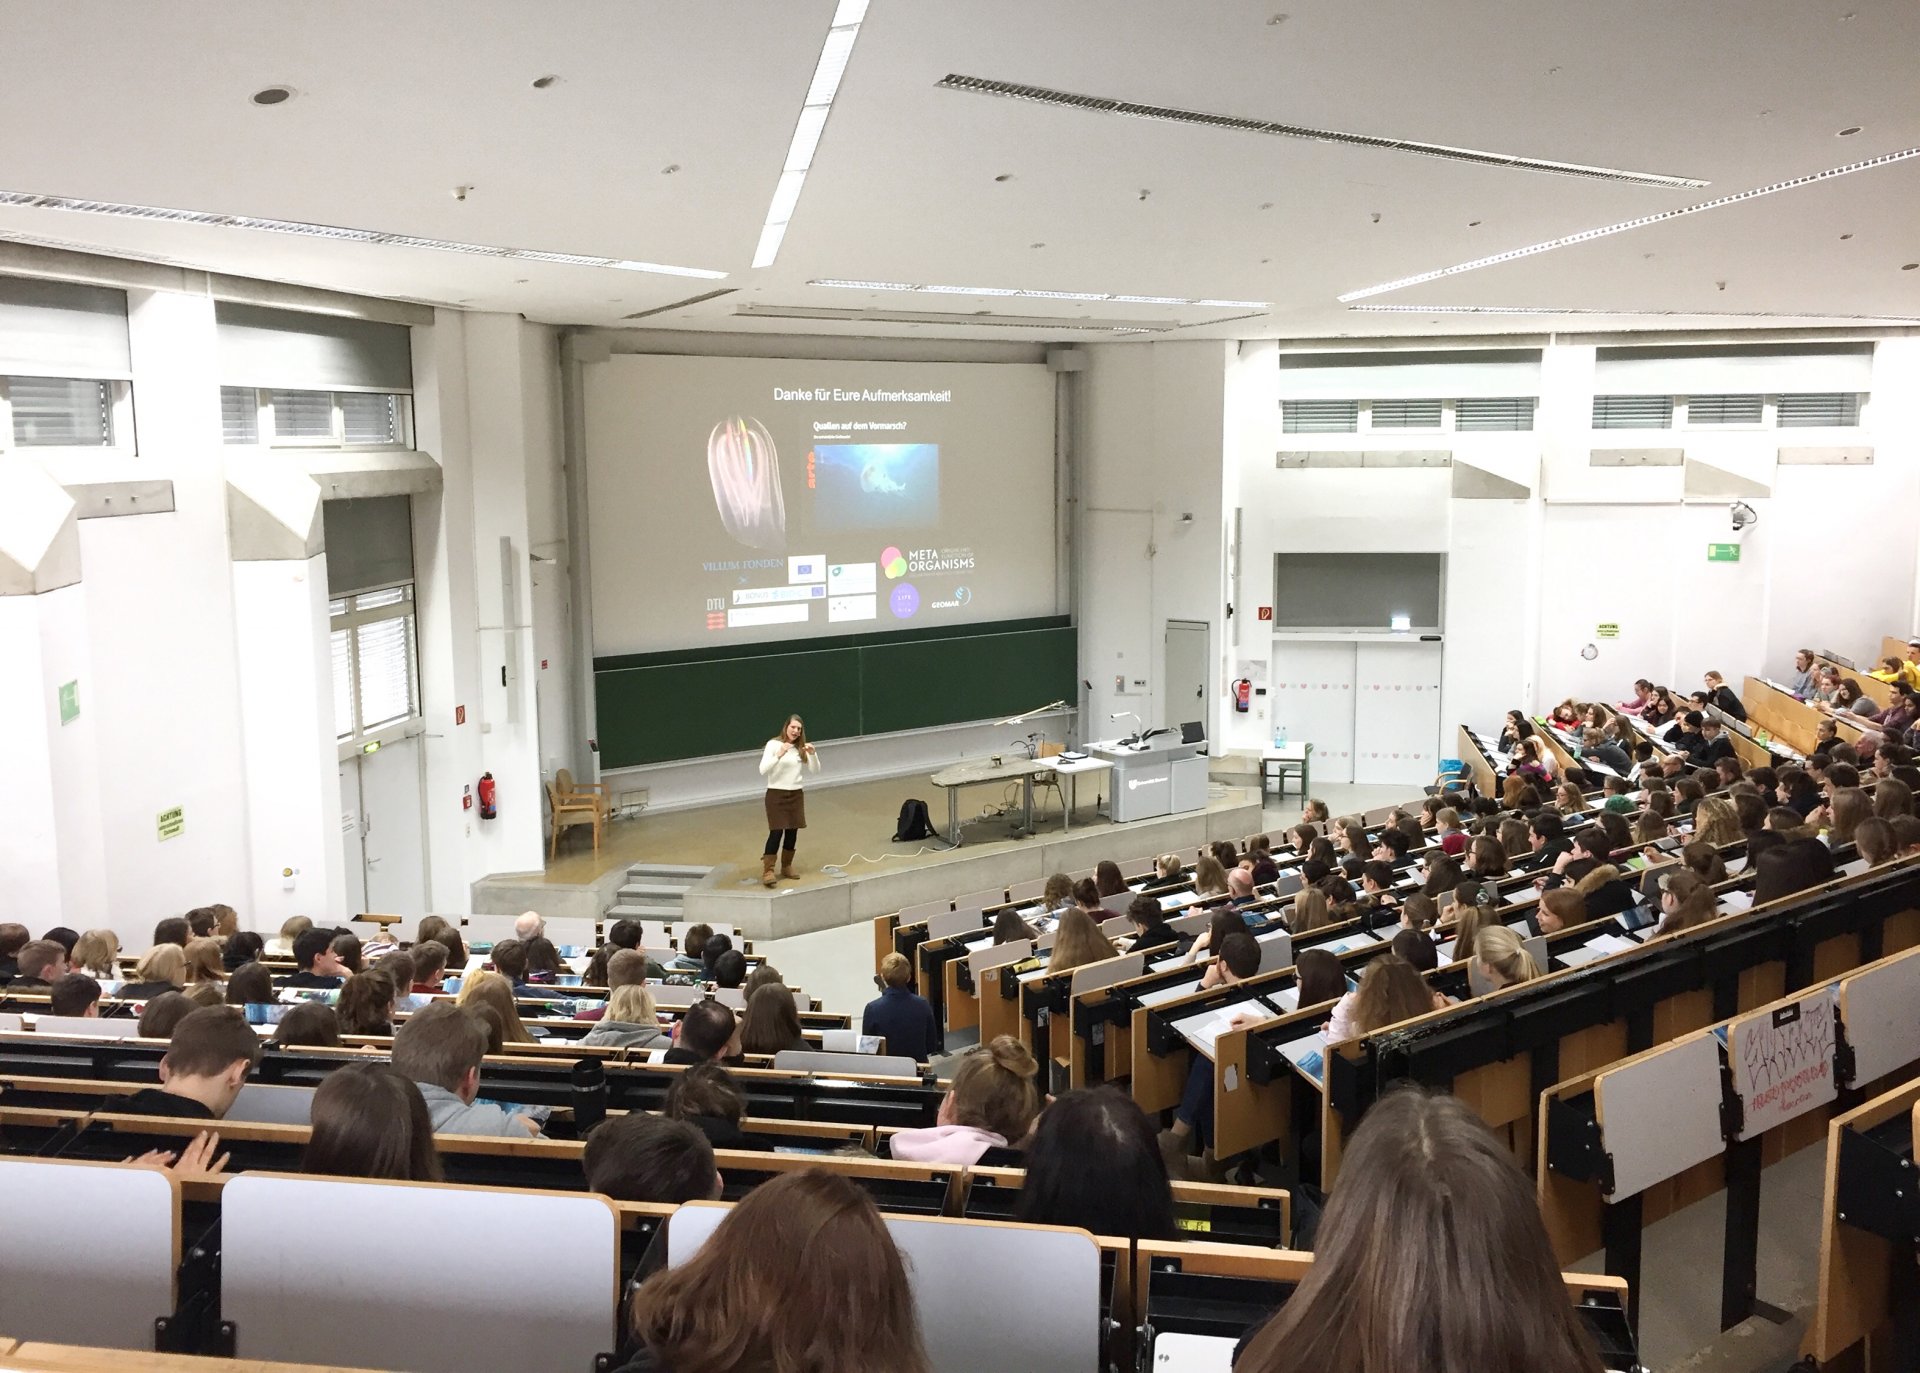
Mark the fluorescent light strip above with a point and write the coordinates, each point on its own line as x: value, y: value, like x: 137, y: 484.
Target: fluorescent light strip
x: 828, y: 72
x: 1209, y: 302
x: 338, y: 233
x: 1631, y: 314
x: 1041, y: 95
x: 1590, y: 234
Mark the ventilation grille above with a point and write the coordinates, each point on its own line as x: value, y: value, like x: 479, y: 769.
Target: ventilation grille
x: 1041, y: 95
x: 1633, y: 412
x: 1475, y: 414
x: 1320, y: 416
x: 1405, y: 414
x: 239, y: 414
x: 982, y: 319
x: 1819, y: 410
x: 1725, y: 409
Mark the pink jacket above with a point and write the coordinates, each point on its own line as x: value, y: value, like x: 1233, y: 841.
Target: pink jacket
x: 957, y: 1144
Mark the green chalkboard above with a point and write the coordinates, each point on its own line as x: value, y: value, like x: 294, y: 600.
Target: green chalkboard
x: 655, y: 708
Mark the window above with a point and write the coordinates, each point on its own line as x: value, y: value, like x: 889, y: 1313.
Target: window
x: 1818, y: 410
x: 316, y: 419
x: 1633, y: 412
x: 1734, y: 410
x: 1320, y: 416
x: 1403, y: 414
x: 376, y: 679
x: 1474, y: 414
x: 57, y: 412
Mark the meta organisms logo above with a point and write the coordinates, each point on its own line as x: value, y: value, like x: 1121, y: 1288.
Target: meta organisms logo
x: 893, y: 562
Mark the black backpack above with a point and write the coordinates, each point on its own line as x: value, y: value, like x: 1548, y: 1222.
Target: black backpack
x: 913, y: 823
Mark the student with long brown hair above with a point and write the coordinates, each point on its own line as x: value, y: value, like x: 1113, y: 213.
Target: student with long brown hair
x: 370, y: 1121
x: 1474, y: 909
x: 1431, y: 1256
x: 771, y: 1021
x: 1390, y: 991
x: 490, y: 989
x: 1310, y: 911
x: 784, y: 762
x: 992, y: 1104
x: 802, y: 1274
x: 1078, y: 942
x: 1685, y: 901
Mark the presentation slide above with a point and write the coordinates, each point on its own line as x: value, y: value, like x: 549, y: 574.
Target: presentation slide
x: 745, y: 500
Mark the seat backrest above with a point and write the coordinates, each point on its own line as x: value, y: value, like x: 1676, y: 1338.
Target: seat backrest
x: 563, y: 778
x: 104, y: 1289
x: 867, y: 1065
x: 264, y: 1103
x: 286, y: 1239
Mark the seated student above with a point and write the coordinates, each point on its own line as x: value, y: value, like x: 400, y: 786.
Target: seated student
x: 1416, y: 947
x: 40, y: 963
x: 642, y: 1157
x: 1686, y: 900
x: 632, y: 1021
x: 97, y: 954
x: 1873, y: 841
x: 1561, y: 909
x: 1906, y: 835
x: 79, y: 995
x: 439, y: 1049
x: 1502, y: 959
x: 366, y: 1004
x: 802, y: 1274
x: 771, y: 1022
x: 281, y: 946
x: 711, y: 951
x: 350, y: 952
x: 1094, y: 1163
x: 1595, y: 745
x: 397, y: 964
x: 251, y: 985
x: 1390, y: 991
x: 1795, y: 865
x: 987, y: 1113
x: 509, y: 958
x: 173, y: 930
x: 1150, y: 928
x: 1008, y: 926
x: 1546, y: 841
x: 1443, y: 875
x: 309, y: 1025
x: 1310, y: 911
x: 371, y: 1121
x: 627, y: 967
x: 543, y: 961
x: 1474, y: 1284
x: 1240, y: 889
x: 1617, y: 794
x: 1223, y: 923
x: 1727, y: 771
x: 1891, y: 798
x: 491, y: 989
x: 1800, y: 680
x: 161, y: 969
x: 162, y: 1013
x: 1449, y: 830
x: 730, y: 969
x: 209, y: 1056
x: 693, y: 940
x: 315, y: 962
x: 1641, y: 699
x: 708, y: 1031
x: 1715, y: 744
x: 1486, y: 858
x: 1168, y: 867
x: 1079, y: 941
x: 241, y: 949
x: 1260, y: 850
x: 1376, y: 888
x: 1318, y: 977
x: 1239, y: 959
x: 707, y: 1098
x: 13, y: 938
x: 429, y: 967
x: 1722, y: 696
x: 1209, y: 877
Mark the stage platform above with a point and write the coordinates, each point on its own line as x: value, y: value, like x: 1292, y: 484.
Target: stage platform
x: 848, y: 826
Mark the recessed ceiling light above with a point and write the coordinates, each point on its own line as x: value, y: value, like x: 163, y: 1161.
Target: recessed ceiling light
x: 670, y: 169
x: 1384, y: 309
x: 828, y: 71
x: 272, y: 95
x: 1588, y: 235
x: 1004, y: 176
x: 1849, y: 131
x: 541, y: 83
x: 1041, y: 95
x: 339, y: 233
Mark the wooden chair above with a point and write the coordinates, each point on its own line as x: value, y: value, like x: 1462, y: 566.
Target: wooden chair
x: 581, y: 809
x: 1042, y: 781
x: 572, y: 792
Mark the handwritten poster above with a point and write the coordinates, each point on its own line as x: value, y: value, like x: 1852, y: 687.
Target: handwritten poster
x: 1782, y: 1061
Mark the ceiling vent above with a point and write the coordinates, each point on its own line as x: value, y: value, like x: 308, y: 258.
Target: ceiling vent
x: 1040, y: 95
x: 984, y: 319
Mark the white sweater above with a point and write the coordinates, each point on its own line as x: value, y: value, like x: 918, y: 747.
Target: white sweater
x: 783, y: 771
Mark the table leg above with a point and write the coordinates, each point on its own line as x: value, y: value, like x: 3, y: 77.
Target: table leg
x: 1073, y: 795
x: 1306, y: 772
x: 1026, y: 798
x: 953, y: 816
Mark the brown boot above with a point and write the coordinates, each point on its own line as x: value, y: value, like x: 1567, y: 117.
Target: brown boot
x: 786, y: 865
x: 766, y: 870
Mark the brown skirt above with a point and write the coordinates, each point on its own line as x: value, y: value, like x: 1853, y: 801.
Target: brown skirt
x: 786, y: 810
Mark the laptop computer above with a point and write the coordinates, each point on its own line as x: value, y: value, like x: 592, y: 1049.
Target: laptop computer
x: 1193, y: 732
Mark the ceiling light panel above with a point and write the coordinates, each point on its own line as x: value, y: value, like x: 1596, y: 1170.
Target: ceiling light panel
x: 1588, y: 235
x: 828, y: 72
x: 341, y: 233
x: 1209, y: 302
x: 1040, y: 95
x: 1385, y: 309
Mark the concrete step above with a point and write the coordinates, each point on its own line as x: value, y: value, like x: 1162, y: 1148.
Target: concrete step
x: 667, y: 872
x: 652, y: 891
x: 629, y: 910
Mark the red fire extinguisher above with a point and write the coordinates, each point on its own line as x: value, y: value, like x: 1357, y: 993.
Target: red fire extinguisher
x: 487, y: 808
x: 1243, y: 694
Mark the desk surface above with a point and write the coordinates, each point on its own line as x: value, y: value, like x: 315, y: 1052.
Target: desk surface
x: 1295, y: 752
x: 1059, y: 764
x: 1009, y: 770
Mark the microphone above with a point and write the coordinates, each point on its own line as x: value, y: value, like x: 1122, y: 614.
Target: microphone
x: 1138, y: 725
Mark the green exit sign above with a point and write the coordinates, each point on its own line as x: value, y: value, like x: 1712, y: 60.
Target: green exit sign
x: 1723, y: 552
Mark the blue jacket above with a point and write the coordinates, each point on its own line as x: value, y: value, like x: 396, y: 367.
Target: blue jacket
x: 906, y: 1020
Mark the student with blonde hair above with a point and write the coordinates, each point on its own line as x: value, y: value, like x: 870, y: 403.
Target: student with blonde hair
x: 204, y: 961
x: 491, y: 989
x: 902, y: 1016
x: 97, y: 954
x: 632, y: 1020
x: 992, y: 1104
x: 1209, y: 877
x: 292, y: 929
x: 163, y: 968
x: 1310, y: 911
x: 1502, y: 958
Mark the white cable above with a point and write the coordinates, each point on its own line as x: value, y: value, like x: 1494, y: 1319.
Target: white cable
x: 840, y: 869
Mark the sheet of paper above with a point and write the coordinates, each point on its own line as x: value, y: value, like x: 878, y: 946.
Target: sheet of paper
x: 1359, y: 939
x: 1574, y: 958
x: 1524, y: 896
x: 1610, y: 943
x: 1203, y: 1030
x: 1736, y: 901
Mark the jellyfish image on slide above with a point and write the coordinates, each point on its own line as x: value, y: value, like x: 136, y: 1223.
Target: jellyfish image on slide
x: 745, y: 470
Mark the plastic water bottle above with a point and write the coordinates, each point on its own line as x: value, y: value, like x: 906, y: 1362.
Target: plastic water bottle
x: 1279, y: 736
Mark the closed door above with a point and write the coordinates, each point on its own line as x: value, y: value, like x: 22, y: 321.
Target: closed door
x: 1312, y: 696
x: 1186, y: 674
x: 1396, y: 712
x: 393, y: 850
x: 354, y: 887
